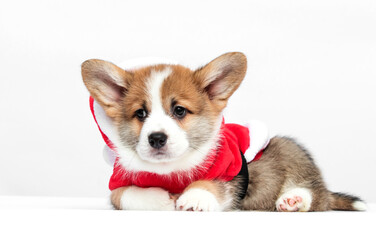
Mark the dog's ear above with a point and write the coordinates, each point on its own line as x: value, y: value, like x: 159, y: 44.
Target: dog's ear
x: 106, y: 82
x: 222, y: 76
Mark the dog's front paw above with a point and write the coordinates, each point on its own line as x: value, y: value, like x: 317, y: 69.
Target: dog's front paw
x: 153, y: 198
x: 196, y: 199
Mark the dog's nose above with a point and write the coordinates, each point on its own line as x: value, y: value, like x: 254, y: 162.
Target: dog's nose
x: 157, y: 139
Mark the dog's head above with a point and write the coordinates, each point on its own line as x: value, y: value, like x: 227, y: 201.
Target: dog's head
x: 163, y: 113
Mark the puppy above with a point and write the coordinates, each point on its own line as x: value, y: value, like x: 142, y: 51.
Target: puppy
x: 174, y: 150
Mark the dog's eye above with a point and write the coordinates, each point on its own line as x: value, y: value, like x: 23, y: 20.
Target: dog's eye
x: 180, y: 112
x: 141, y: 114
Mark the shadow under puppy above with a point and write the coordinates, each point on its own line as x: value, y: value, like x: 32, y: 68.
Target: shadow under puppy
x: 174, y: 150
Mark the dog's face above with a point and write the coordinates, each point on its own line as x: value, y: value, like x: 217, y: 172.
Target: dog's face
x: 164, y: 112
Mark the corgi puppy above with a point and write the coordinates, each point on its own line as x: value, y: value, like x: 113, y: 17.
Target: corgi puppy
x: 174, y: 150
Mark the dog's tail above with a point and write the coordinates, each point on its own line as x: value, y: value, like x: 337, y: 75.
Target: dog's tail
x: 345, y: 202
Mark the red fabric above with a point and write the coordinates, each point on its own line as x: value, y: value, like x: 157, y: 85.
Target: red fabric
x: 258, y: 156
x: 224, y: 163
x: 105, y: 138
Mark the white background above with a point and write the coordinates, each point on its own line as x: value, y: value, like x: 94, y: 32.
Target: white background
x: 311, y: 75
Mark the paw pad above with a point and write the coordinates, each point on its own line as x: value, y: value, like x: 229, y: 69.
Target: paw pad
x: 290, y: 204
x: 298, y: 199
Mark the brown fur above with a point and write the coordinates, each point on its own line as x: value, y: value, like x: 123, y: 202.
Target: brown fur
x: 284, y: 165
x: 340, y: 201
x: 180, y: 88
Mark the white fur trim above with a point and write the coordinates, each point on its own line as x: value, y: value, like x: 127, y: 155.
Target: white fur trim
x: 259, y: 135
x: 109, y: 155
x: 107, y: 127
x: 106, y: 124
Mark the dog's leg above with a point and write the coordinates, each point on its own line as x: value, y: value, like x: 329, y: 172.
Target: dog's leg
x: 136, y: 198
x: 205, y: 196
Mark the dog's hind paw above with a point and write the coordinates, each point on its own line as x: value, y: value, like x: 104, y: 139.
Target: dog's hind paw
x: 294, y: 200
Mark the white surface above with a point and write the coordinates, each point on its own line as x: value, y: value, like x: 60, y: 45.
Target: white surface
x: 69, y: 218
x: 26, y: 202
x: 311, y: 75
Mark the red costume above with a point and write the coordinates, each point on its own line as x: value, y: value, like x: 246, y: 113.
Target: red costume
x: 223, y: 163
